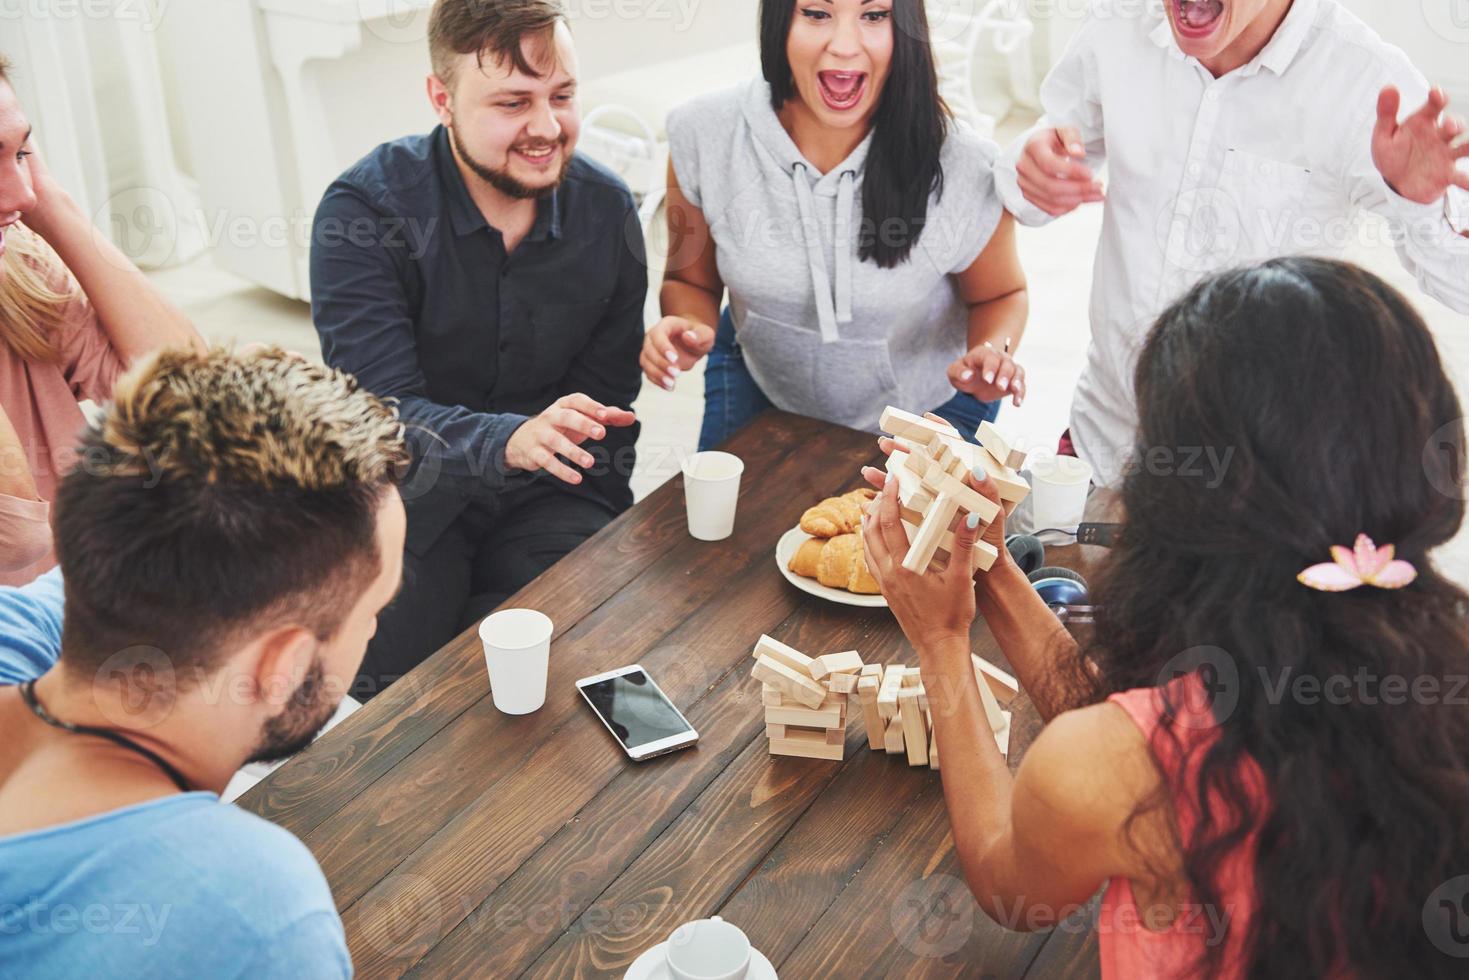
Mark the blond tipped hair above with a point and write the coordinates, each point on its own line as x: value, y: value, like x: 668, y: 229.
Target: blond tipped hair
x: 267, y: 419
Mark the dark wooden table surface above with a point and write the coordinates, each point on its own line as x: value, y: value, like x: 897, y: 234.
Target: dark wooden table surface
x: 460, y: 841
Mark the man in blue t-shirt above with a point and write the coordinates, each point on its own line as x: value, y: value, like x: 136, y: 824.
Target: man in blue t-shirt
x: 225, y: 547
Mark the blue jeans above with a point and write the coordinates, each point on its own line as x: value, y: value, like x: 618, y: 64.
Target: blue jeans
x: 732, y: 398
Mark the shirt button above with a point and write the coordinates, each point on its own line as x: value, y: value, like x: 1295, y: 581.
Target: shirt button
x: 1212, y: 95
x: 1194, y: 169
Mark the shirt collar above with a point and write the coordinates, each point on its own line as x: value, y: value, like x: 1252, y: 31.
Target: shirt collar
x: 1277, y: 54
x: 465, y: 215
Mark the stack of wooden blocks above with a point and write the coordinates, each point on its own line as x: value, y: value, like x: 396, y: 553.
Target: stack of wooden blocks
x: 929, y: 468
x: 805, y: 698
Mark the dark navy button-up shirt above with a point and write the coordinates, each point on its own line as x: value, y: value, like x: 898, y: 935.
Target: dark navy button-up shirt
x: 414, y: 293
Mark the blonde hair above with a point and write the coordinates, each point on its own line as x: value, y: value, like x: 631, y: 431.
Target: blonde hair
x: 31, y: 306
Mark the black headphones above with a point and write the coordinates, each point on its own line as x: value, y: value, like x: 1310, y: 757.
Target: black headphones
x: 1063, y: 590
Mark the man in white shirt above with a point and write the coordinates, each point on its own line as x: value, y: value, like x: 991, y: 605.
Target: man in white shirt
x: 1232, y: 131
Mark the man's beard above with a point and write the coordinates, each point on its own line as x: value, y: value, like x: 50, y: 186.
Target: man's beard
x: 501, y: 180
x: 307, y: 712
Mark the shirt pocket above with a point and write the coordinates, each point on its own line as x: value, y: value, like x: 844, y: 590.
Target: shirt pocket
x: 837, y: 382
x: 1285, y: 208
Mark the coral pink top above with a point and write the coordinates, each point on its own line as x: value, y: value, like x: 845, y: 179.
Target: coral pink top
x: 1128, y: 948
x: 40, y: 398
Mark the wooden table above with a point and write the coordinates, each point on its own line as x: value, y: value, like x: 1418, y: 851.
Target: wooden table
x: 460, y: 841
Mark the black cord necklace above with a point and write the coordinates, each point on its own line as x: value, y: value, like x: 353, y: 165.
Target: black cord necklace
x: 28, y: 694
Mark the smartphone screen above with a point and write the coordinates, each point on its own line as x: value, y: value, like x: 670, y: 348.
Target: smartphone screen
x: 635, y: 710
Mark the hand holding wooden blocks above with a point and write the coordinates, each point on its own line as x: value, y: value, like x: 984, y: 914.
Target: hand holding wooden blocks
x: 928, y: 473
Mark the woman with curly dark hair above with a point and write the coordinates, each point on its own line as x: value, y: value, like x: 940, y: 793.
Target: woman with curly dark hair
x: 1264, y: 753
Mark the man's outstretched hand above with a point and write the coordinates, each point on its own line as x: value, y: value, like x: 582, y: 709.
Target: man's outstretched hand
x: 1418, y: 157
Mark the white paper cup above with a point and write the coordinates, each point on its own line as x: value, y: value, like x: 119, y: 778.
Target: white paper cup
x: 711, y: 487
x: 1059, y: 486
x: 708, y: 949
x: 518, y: 656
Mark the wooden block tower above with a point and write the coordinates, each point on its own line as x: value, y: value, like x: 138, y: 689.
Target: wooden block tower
x: 805, y: 698
x: 929, y: 468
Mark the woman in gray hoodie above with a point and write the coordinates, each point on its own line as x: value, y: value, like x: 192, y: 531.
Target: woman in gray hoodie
x: 855, y: 224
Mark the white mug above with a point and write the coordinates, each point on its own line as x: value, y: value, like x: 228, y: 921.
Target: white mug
x: 517, y: 646
x: 708, y: 949
x: 711, y: 487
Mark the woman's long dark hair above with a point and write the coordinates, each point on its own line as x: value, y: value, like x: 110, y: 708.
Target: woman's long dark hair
x: 908, y: 129
x: 1326, y: 388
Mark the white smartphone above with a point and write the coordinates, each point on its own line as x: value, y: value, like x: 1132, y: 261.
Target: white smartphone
x: 637, y: 712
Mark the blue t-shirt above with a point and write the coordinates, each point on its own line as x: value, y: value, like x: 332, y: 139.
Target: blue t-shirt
x: 182, y: 886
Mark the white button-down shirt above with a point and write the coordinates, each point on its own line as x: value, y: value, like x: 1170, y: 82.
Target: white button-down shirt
x: 1272, y: 159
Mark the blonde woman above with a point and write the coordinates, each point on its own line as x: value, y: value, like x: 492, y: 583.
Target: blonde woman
x: 74, y: 312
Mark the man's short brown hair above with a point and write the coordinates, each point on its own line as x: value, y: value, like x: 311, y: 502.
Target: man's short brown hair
x: 221, y: 495
x: 499, y: 27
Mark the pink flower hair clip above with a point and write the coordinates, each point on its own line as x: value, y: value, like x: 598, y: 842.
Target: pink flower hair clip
x: 1363, y: 564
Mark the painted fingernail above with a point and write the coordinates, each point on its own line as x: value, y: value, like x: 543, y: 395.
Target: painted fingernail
x: 966, y: 375
x: 979, y: 473
x: 670, y: 355
x: 1004, y: 384
x: 972, y: 521
x: 667, y: 384
x: 675, y: 371
x: 989, y: 377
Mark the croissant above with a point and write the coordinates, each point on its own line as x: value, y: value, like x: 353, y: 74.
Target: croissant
x: 836, y: 515
x: 837, y: 562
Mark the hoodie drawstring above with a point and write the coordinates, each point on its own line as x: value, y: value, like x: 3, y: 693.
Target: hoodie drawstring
x: 830, y: 309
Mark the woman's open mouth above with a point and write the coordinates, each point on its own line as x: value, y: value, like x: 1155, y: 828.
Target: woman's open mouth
x: 841, y: 90
x: 1197, y: 19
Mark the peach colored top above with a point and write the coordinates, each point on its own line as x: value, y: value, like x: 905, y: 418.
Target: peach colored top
x: 41, y: 399
x: 1128, y: 948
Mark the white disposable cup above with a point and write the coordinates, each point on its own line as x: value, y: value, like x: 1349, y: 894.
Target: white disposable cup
x: 518, y: 656
x: 711, y: 488
x: 708, y: 949
x: 1059, y: 486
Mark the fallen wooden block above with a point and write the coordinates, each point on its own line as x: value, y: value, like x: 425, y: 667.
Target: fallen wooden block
x: 775, y: 650
x: 806, y: 745
x: 791, y: 683
x: 846, y: 662
x: 915, y: 734
x: 1004, y: 686
x: 867, y: 697
x: 775, y: 731
x: 842, y: 683
x: 892, y: 738
x: 771, y: 697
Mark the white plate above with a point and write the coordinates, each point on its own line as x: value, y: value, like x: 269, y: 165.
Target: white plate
x: 653, y: 965
x: 785, y: 549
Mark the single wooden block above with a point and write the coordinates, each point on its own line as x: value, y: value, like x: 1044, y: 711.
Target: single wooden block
x: 991, y: 706
x: 806, y: 745
x: 892, y: 737
x: 933, y: 747
x: 992, y: 439
x: 1002, y: 737
x: 874, y: 724
x: 792, y: 684
x: 1004, y: 686
x: 775, y: 731
x: 771, y: 697
x: 871, y: 670
x: 923, y: 700
x: 781, y: 653
x: 832, y: 716
x: 1012, y: 485
x: 913, y: 677
x: 905, y: 425
x: 846, y: 662
x: 926, y: 542
x: 836, y: 736
x: 915, y: 733
x: 887, y: 694
x: 969, y: 499
x: 842, y: 683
